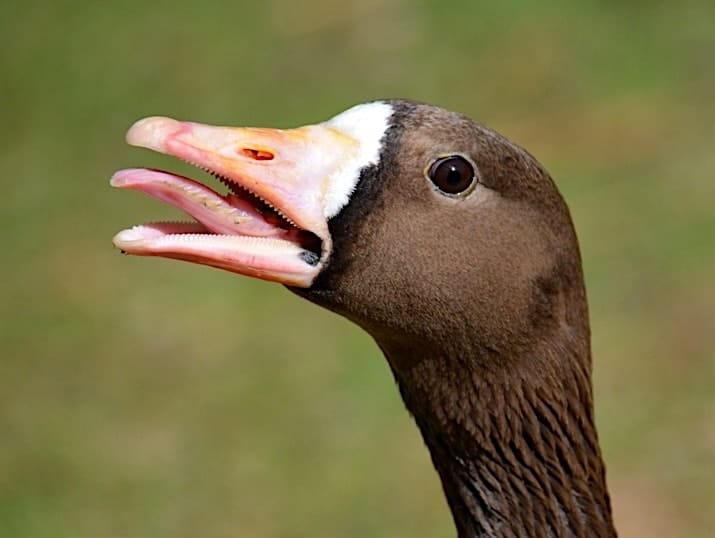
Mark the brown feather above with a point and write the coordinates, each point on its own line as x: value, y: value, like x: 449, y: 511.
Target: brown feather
x: 479, y: 307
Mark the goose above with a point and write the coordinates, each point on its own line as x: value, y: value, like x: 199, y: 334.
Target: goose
x: 452, y: 247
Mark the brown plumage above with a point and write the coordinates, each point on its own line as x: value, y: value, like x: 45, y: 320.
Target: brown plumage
x: 478, y: 304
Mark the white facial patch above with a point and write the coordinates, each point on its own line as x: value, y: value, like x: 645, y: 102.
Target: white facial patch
x: 366, y: 124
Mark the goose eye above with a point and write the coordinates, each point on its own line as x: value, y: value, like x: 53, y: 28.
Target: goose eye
x: 452, y: 175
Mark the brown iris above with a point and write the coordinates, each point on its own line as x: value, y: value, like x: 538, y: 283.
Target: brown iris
x: 452, y: 175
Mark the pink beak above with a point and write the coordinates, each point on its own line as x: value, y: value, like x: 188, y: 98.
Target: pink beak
x: 272, y: 225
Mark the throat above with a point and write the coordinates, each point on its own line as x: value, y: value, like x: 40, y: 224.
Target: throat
x: 515, y: 447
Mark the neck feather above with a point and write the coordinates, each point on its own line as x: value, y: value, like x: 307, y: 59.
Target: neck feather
x: 512, y: 438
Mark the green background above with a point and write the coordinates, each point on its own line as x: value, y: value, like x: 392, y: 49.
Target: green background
x: 150, y: 398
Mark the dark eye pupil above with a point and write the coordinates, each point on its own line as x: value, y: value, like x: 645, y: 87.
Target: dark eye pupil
x: 452, y: 175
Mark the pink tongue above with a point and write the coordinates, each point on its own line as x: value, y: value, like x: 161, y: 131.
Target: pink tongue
x: 229, y: 215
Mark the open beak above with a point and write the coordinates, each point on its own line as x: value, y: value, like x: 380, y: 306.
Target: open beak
x: 273, y: 222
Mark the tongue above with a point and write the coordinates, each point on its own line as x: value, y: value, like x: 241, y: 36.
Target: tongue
x: 225, y: 215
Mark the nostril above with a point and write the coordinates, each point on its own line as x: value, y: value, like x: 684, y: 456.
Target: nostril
x: 257, y: 154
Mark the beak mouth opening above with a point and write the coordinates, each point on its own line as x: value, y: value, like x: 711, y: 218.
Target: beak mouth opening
x: 283, y: 187
x: 269, y: 224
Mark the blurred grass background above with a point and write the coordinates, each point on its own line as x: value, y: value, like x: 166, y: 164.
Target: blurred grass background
x: 143, y: 397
